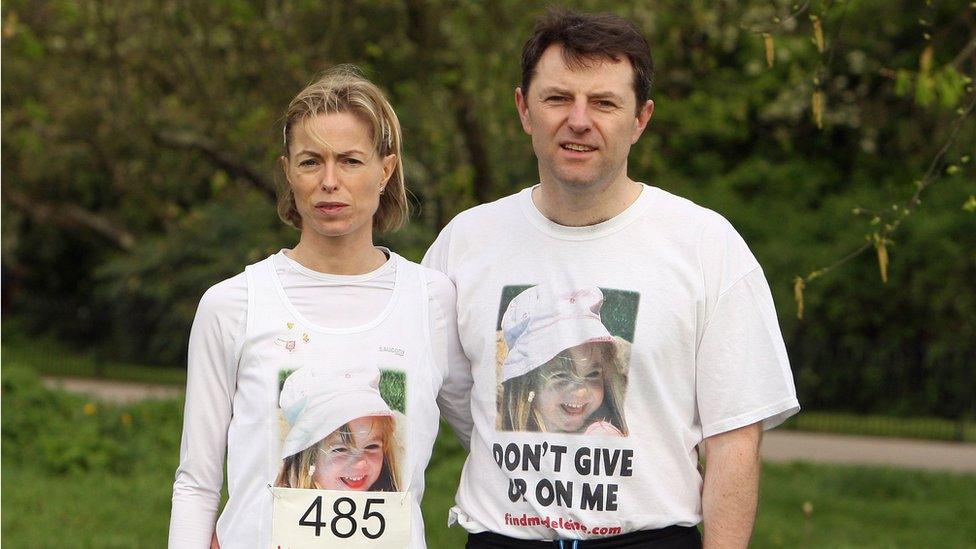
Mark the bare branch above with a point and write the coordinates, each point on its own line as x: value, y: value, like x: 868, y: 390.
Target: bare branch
x: 70, y: 216
x: 219, y: 157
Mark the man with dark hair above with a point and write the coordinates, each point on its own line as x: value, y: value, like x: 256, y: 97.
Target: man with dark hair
x: 614, y: 330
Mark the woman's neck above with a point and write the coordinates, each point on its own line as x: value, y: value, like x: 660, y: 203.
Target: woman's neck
x: 339, y: 256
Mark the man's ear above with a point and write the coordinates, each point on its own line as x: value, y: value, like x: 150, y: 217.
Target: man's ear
x: 522, y: 106
x: 643, y: 117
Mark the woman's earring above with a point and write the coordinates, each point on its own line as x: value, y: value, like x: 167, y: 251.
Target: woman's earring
x: 531, y: 396
x: 382, y: 190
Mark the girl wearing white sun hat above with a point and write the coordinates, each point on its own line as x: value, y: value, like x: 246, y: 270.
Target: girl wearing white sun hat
x: 563, y: 371
x: 342, y: 435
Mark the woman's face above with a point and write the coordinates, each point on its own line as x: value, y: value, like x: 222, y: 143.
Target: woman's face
x: 336, y: 187
x: 354, y: 463
x: 571, y: 388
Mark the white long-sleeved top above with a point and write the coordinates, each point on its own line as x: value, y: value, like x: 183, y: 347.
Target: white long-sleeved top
x: 330, y: 303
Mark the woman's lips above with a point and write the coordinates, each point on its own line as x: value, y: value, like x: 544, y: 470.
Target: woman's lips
x: 331, y: 208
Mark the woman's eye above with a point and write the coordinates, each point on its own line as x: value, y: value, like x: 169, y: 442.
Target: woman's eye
x: 374, y: 447
x: 353, y: 161
x: 339, y: 450
x: 594, y: 375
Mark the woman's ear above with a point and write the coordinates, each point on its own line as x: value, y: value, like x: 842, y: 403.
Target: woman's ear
x: 389, y: 164
x: 283, y: 166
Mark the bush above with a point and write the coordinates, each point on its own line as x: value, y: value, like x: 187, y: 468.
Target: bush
x: 66, y: 434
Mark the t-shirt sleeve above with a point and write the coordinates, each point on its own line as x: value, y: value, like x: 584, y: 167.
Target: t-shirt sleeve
x: 742, y: 371
x: 214, y: 349
x: 454, y: 398
x: 439, y: 252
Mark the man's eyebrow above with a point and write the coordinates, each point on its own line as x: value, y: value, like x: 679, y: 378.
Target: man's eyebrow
x: 605, y: 95
x: 552, y: 90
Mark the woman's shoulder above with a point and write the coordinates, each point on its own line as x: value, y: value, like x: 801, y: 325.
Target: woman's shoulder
x: 228, y: 296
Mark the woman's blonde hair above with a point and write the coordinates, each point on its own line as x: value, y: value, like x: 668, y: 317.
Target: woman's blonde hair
x: 518, y: 412
x: 296, y: 470
x: 343, y: 89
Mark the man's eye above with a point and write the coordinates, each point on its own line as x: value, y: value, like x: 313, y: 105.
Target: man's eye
x: 556, y: 99
x: 606, y: 104
x: 308, y: 162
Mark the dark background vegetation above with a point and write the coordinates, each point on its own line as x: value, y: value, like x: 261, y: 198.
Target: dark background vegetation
x: 139, y: 140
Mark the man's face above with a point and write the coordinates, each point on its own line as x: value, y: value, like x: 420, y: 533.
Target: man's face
x: 583, y: 121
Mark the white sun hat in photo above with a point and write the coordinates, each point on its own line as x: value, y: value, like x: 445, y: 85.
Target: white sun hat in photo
x: 317, y: 400
x: 541, y: 322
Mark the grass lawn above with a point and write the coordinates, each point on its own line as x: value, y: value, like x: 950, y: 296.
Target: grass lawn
x: 907, y: 427
x: 851, y: 506
x: 80, y: 474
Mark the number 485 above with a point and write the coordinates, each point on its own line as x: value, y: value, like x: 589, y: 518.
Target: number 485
x: 342, y: 519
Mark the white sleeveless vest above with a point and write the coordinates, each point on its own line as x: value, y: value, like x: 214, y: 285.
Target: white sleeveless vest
x: 279, y: 342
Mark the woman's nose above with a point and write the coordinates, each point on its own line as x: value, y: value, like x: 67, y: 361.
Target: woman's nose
x: 330, y: 178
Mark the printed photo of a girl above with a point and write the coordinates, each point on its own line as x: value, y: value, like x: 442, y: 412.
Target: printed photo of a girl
x: 560, y: 369
x: 342, y: 435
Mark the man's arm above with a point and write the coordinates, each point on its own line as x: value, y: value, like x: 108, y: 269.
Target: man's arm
x: 730, y: 494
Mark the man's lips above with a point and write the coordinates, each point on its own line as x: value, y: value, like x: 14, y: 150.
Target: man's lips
x: 577, y: 147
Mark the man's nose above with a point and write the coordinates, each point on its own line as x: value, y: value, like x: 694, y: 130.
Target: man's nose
x: 579, y: 116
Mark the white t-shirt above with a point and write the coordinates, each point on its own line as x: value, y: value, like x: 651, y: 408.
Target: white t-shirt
x: 601, y: 357
x: 254, y: 330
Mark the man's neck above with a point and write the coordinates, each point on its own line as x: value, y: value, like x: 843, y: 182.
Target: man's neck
x: 581, y: 207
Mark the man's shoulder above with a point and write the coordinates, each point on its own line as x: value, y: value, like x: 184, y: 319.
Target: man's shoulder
x: 683, y: 213
x: 503, y: 205
x: 483, y: 217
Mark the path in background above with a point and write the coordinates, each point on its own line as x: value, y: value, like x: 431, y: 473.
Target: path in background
x: 122, y: 392
x: 778, y: 445
x: 784, y: 446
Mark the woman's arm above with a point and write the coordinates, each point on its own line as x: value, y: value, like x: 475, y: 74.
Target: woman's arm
x: 215, y: 341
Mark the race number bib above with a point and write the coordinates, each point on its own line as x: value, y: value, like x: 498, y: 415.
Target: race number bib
x: 333, y: 518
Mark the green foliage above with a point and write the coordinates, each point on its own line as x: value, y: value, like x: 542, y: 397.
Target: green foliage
x: 142, y: 137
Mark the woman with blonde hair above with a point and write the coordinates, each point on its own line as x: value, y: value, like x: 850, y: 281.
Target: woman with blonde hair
x: 329, y: 310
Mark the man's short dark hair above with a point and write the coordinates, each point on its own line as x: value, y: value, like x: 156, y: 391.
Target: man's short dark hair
x: 589, y: 37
